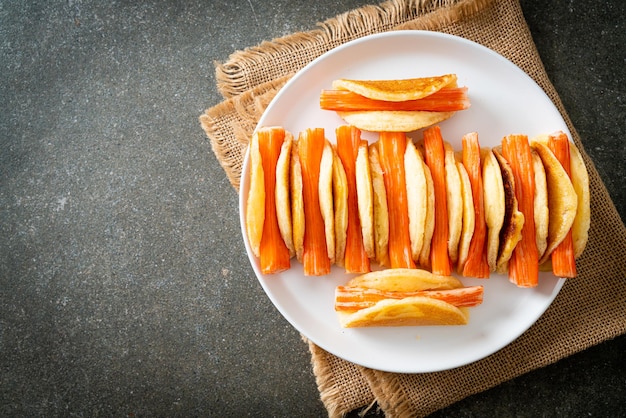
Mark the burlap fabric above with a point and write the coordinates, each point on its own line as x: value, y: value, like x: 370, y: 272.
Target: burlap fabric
x: 588, y: 310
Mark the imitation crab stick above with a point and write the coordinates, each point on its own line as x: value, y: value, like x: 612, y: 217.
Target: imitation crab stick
x: 563, y: 260
x: 434, y: 157
x: 524, y: 263
x: 391, y: 147
x: 445, y: 100
x: 315, y: 258
x: 352, y: 298
x: 274, y: 254
x: 476, y: 264
x: 348, y: 141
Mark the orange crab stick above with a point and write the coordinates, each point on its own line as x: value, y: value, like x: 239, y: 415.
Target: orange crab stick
x: 524, y: 263
x: 348, y: 140
x: 391, y: 148
x: 274, y: 254
x: 434, y: 157
x: 315, y: 259
x: 444, y: 100
x: 476, y: 264
x: 563, y: 260
x: 351, y: 298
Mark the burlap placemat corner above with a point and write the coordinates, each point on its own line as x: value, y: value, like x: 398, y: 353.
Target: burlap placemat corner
x: 588, y: 310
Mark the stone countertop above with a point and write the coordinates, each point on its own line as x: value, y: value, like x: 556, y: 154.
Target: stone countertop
x: 124, y: 284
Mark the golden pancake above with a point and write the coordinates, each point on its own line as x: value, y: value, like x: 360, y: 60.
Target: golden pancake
x: 454, y: 200
x: 541, y: 207
x: 396, y: 90
x: 416, y: 196
x: 255, y: 205
x: 411, y: 311
x: 340, y: 195
x: 381, y: 210
x: 365, y: 199
x: 393, y: 121
x: 404, y: 280
x: 511, y: 231
x: 580, y: 180
x: 283, y: 200
x: 325, y: 190
x: 297, y: 202
x: 429, y: 226
x: 494, y: 204
x: 469, y: 217
x: 562, y: 199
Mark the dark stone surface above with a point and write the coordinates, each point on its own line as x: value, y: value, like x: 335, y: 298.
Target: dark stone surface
x: 124, y: 285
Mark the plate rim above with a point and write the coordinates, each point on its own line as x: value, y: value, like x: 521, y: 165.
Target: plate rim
x: 277, y: 98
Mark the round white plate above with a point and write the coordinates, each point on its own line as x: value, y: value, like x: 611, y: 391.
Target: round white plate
x: 504, y: 101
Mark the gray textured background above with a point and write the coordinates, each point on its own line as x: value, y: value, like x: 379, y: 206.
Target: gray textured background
x: 124, y: 285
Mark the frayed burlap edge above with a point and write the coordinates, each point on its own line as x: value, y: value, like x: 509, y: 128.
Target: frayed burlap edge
x: 230, y: 124
x: 271, y: 60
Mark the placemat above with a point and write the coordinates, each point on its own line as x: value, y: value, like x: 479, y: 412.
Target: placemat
x: 588, y: 310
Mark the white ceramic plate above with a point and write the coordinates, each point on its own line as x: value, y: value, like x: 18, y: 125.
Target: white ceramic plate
x: 504, y: 101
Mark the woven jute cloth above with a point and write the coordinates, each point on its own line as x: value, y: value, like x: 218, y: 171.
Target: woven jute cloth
x: 588, y: 310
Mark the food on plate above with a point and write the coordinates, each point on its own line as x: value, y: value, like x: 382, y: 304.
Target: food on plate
x: 405, y: 297
x: 402, y: 105
x: 417, y: 205
x: 541, y: 207
x: 411, y: 203
x: 311, y: 146
x: 255, y: 204
x: 297, y: 201
x: 391, y: 149
x: 454, y: 202
x: 511, y: 230
x: 381, y: 211
x: 349, y: 141
x: 434, y: 156
x: 261, y: 212
x: 326, y: 198
x: 365, y: 197
x: 476, y: 264
x: 562, y: 200
x: 524, y: 263
x: 494, y: 204
x: 283, y: 202
x: 469, y: 218
x: 340, y: 200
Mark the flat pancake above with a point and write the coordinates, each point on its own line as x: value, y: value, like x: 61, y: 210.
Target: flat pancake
x: 283, y: 199
x: 429, y: 226
x: 580, y: 180
x: 340, y: 198
x: 325, y: 190
x: 454, y: 200
x: 297, y: 202
x: 255, y: 205
x: 541, y: 206
x: 494, y: 203
x: 416, y: 196
x: 511, y: 231
x: 393, y: 121
x: 404, y: 280
x: 411, y: 311
x: 365, y: 198
x: 396, y: 90
x: 582, y: 221
x: 562, y: 199
x: 381, y: 210
x: 469, y: 217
